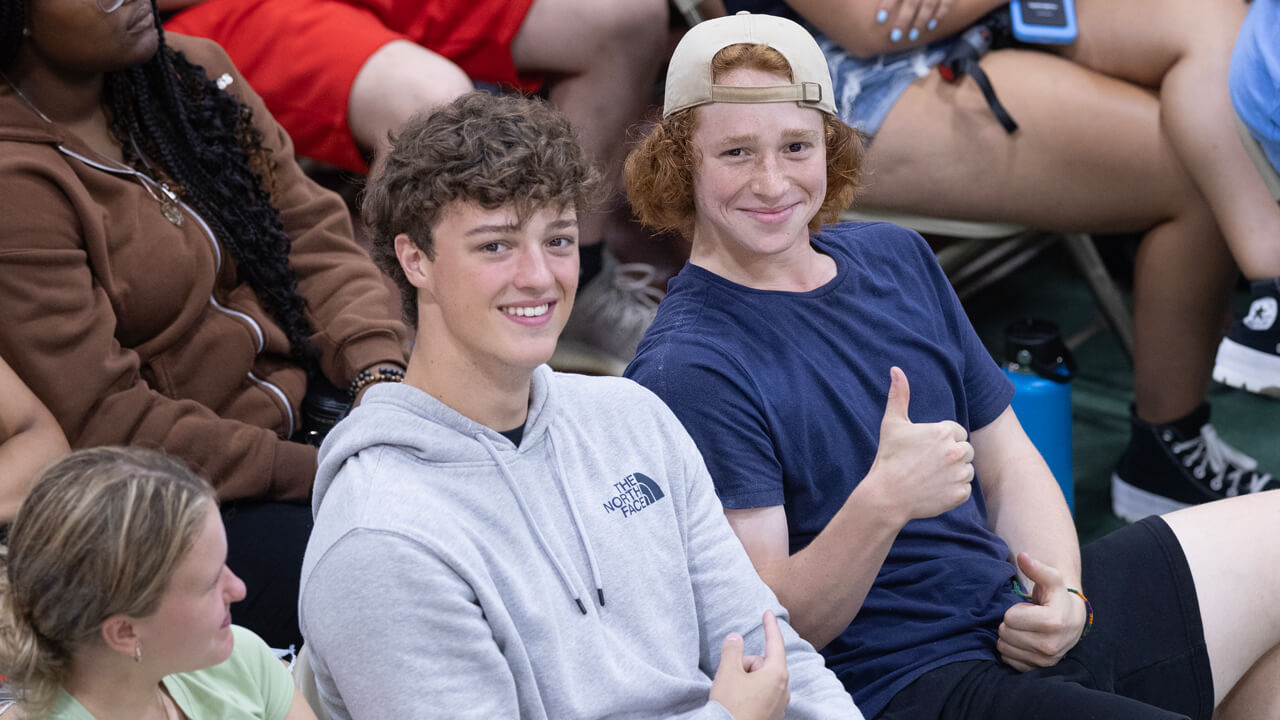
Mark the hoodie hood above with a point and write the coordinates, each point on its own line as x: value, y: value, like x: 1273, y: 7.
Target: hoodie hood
x: 415, y: 422
x: 19, y: 123
x: 431, y: 432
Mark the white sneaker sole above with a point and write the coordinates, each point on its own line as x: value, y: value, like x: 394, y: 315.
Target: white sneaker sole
x: 1131, y: 504
x: 1240, y: 366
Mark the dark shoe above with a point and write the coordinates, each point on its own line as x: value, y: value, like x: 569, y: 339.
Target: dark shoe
x: 1249, y: 356
x: 1178, y: 464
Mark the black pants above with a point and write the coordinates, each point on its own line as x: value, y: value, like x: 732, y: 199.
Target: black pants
x: 265, y: 544
x: 1145, y: 658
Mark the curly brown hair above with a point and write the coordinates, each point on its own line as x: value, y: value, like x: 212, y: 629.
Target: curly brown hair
x: 494, y: 151
x: 659, y: 171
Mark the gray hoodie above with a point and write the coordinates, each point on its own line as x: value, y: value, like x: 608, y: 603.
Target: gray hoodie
x: 587, y: 573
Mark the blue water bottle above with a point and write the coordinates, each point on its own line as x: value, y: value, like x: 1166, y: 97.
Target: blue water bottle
x: 1041, y: 368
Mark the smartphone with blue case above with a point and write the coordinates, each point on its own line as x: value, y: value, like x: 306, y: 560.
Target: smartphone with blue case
x: 1044, y: 22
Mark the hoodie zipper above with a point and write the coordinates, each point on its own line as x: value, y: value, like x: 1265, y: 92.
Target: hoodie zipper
x: 260, y: 342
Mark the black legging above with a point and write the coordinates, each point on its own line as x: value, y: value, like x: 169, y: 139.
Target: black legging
x: 265, y: 544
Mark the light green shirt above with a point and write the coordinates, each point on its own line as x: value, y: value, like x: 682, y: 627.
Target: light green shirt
x: 250, y: 685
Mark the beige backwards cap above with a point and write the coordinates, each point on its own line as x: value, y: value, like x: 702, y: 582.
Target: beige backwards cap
x: 689, y: 74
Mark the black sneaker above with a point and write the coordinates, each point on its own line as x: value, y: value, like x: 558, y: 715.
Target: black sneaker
x: 1182, y: 463
x: 1249, y: 356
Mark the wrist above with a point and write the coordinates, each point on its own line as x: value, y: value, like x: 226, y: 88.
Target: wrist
x: 1088, y: 612
x: 1084, y: 601
x: 382, y: 372
x: 881, y: 503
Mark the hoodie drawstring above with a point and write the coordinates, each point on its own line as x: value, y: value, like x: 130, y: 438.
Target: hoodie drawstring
x: 533, y: 525
x: 577, y: 521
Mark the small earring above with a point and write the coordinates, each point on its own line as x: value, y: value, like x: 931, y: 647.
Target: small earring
x: 26, y: 32
x: 137, y: 653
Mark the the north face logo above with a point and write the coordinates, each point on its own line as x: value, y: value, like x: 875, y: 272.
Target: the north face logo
x: 635, y: 493
x: 1262, y: 314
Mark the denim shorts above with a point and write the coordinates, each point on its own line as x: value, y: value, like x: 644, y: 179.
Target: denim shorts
x: 867, y: 87
x: 1270, y: 147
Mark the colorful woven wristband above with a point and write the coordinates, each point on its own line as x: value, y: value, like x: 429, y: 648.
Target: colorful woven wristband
x: 1088, y: 606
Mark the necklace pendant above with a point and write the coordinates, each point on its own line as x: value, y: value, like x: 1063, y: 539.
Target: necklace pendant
x: 169, y: 205
x: 172, y: 214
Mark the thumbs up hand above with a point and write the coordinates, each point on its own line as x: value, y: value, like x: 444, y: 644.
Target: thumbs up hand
x: 925, y: 468
x: 1039, y: 632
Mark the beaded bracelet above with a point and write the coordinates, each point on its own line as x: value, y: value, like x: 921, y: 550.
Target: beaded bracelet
x: 369, y: 376
x: 1088, y: 606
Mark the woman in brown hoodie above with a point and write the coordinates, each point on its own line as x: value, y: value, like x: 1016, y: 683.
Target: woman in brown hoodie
x: 169, y: 277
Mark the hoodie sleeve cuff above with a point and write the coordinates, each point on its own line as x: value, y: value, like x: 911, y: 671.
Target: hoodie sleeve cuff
x: 373, y: 349
x: 293, y: 472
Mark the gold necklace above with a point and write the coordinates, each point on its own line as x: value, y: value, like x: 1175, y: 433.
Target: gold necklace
x: 167, y: 198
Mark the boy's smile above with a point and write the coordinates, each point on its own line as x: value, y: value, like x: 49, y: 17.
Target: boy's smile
x: 499, y: 290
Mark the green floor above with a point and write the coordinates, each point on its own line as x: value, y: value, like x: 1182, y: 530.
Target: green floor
x: 1049, y: 287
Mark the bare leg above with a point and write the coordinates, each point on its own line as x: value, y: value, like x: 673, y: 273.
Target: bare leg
x: 1231, y: 548
x: 1181, y: 287
x: 608, y: 55
x: 1255, y: 696
x: 1183, y: 47
x: 400, y: 79
x: 1090, y: 156
x: 605, y: 57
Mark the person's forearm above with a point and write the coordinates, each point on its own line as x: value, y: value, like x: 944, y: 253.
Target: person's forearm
x: 23, y: 456
x: 823, y: 586
x: 1047, y: 535
x: 1026, y: 509
x: 30, y: 439
x: 852, y: 23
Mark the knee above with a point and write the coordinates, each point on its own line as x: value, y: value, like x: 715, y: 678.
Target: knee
x: 426, y: 90
x: 398, y: 81
x: 1197, y: 27
x: 638, y: 27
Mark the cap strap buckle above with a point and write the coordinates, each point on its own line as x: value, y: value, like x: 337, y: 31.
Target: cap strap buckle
x: 807, y: 93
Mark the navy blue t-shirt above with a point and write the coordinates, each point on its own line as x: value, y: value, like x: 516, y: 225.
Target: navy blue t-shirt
x: 784, y: 393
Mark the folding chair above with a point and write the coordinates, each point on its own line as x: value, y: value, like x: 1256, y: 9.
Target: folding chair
x: 990, y: 251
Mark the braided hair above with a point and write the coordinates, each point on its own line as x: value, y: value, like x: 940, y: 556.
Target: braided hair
x: 13, y: 18
x: 203, y: 141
